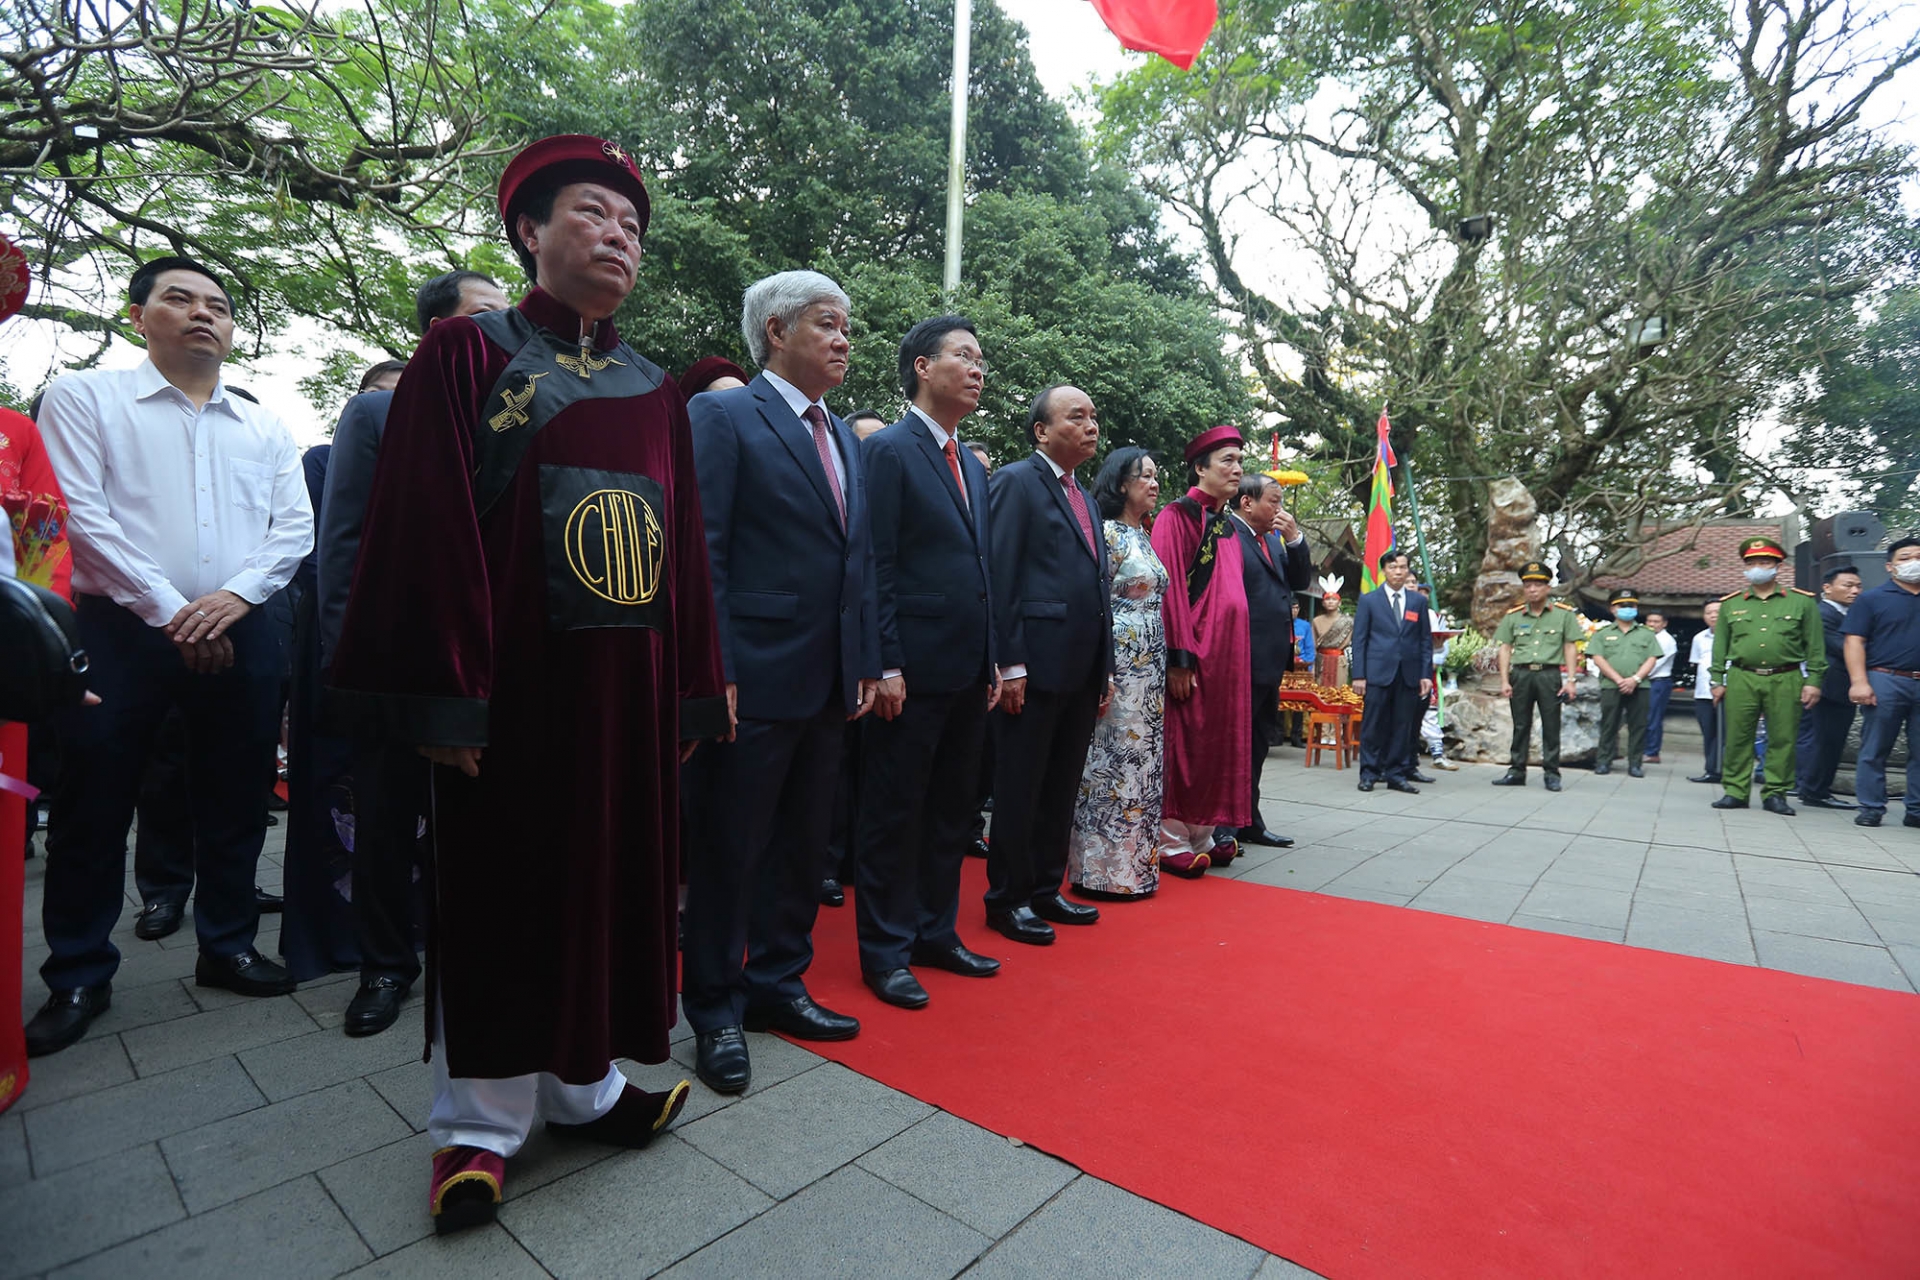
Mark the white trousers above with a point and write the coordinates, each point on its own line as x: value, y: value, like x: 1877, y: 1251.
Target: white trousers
x: 1177, y: 837
x: 1430, y: 733
x: 497, y: 1115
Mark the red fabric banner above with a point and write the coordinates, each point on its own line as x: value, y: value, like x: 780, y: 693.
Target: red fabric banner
x: 1174, y: 29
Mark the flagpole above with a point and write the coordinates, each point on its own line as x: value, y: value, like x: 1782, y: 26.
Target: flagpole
x: 957, y: 145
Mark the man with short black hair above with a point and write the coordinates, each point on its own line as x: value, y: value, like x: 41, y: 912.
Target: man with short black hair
x: 188, y: 510
x: 1824, y: 728
x: 1882, y: 631
x: 1659, y: 685
x: 1392, y: 653
x: 389, y: 779
x: 921, y: 750
x: 865, y: 422
x: 1275, y: 562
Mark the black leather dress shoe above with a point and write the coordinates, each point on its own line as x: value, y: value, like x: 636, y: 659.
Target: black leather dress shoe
x: 1827, y: 802
x: 897, y: 987
x: 268, y: 904
x: 1366, y: 784
x: 956, y: 959
x: 1728, y: 802
x: 831, y: 894
x: 1870, y: 819
x: 1397, y: 784
x: 1600, y: 769
x: 720, y: 1060
x: 802, y: 1019
x: 1056, y: 909
x: 1552, y: 782
x: 1704, y: 777
x: 65, y: 1017
x: 1510, y: 779
x: 247, y: 974
x: 1777, y: 804
x: 1260, y: 835
x: 1635, y: 771
x: 1020, y: 924
x: 1909, y: 821
x: 978, y: 849
x: 157, y: 920
x: 375, y: 1006
x: 1417, y: 776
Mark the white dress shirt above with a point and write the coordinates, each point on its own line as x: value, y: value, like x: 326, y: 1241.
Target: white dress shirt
x: 1668, y: 648
x: 797, y: 401
x: 1701, y: 656
x: 168, y: 502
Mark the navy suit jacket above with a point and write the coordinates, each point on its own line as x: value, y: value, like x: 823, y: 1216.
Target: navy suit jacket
x: 1270, y: 588
x: 1051, y: 604
x: 342, y: 512
x: 1387, y: 647
x: 792, y: 588
x: 929, y: 560
x: 1837, y: 684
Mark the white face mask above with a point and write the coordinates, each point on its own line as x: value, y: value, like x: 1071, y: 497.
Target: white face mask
x: 1760, y: 576
x: 1907, y: 571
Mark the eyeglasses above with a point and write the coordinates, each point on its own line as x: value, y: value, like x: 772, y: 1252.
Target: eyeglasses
x: 978, y: 366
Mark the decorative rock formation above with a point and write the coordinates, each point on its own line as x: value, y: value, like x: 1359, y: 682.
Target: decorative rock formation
x: 1480, y: 726
x: 1511, y: 542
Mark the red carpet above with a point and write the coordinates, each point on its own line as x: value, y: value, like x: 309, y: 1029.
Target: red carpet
x: 1379, y: 1092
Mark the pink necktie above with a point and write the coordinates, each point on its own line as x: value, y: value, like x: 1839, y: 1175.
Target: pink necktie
x: 1078, y: 502
x: 818, y: 417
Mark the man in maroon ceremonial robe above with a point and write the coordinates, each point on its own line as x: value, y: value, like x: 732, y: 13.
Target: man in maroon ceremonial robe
x: 1209, y: 776
x: 531, y: 609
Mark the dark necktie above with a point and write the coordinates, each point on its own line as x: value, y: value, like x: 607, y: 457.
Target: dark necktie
x: 1078, y: 502
x: 1399, y: 615
x: 818, y: 417
x: 953, y: 465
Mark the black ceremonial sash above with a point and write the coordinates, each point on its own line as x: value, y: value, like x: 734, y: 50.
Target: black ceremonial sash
x: 1213, y: 527
x: 547, y: 374
x: 605, y: 546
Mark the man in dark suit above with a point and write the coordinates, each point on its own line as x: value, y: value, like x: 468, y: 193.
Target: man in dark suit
x: 1054, y: 633
x: 1823, y: 731
x: 1275, y: 562
x: 921, y: 749
x: 1392, y: 658
x: 784, y: 498
x: 390, y: 780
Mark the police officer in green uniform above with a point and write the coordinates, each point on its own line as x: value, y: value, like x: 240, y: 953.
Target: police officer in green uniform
x: 1764, y: 637
x: 1536, y: 640
x: 1625, y: 653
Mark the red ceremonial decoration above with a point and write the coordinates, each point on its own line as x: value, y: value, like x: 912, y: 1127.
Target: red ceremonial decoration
x: 1380, y: 1093
x: 1174, y: 29
x: 1379, y: 508
x: 14, y: 278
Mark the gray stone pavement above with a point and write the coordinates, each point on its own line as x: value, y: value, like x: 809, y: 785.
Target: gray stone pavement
x: 198, y: 1134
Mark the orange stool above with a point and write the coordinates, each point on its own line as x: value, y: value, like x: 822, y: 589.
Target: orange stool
x: 1330, y: 731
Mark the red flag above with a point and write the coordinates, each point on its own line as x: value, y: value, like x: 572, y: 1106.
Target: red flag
x: 1174, y: 29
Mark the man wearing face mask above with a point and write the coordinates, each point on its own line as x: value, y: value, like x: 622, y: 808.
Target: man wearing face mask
x: 1763, y: 638
x: 1626, y: 654
x: 1882, y: 651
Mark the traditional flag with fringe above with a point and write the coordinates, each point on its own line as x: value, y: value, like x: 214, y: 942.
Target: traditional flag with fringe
x: 1379, y: 509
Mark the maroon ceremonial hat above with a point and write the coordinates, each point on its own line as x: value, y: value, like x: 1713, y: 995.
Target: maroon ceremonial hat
x: 702, y: 373
x: 563, y: 158
x: 1213, y: 438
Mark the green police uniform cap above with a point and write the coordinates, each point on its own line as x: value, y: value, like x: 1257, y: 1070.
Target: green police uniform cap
x: 1623, y: 595
x: 1534, y: 571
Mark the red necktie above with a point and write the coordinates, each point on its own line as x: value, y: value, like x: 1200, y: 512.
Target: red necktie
x: 818, y: 417
x: 1078, y: 502
x: 953, y: 465
x: 1264, y: 549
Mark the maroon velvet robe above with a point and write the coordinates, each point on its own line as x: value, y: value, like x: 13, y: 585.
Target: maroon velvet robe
x: 554, y: 878
x: 1209, y: 774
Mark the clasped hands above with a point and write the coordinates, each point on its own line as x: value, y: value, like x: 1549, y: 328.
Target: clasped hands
x: 199, y: 631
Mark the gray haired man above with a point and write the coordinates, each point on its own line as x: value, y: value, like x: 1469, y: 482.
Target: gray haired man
x: 785, y: 505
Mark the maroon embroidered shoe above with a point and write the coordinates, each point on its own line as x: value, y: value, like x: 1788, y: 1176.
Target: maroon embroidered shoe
x: 1188, y: 866
x: 1224, y: 851
x: 466, y: 1188
x: 635, y: 1119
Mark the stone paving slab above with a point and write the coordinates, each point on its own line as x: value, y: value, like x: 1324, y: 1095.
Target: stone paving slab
x: 199, y: 1133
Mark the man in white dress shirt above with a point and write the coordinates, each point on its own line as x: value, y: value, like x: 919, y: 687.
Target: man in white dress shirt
x: 188, y: 509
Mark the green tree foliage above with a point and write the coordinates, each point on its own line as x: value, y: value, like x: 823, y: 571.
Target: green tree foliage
x: 1635, y: 161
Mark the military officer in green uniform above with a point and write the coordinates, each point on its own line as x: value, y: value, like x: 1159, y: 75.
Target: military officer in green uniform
x: 1625, y: 653
x: 1536, y: 639
x: 1768, y: 660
